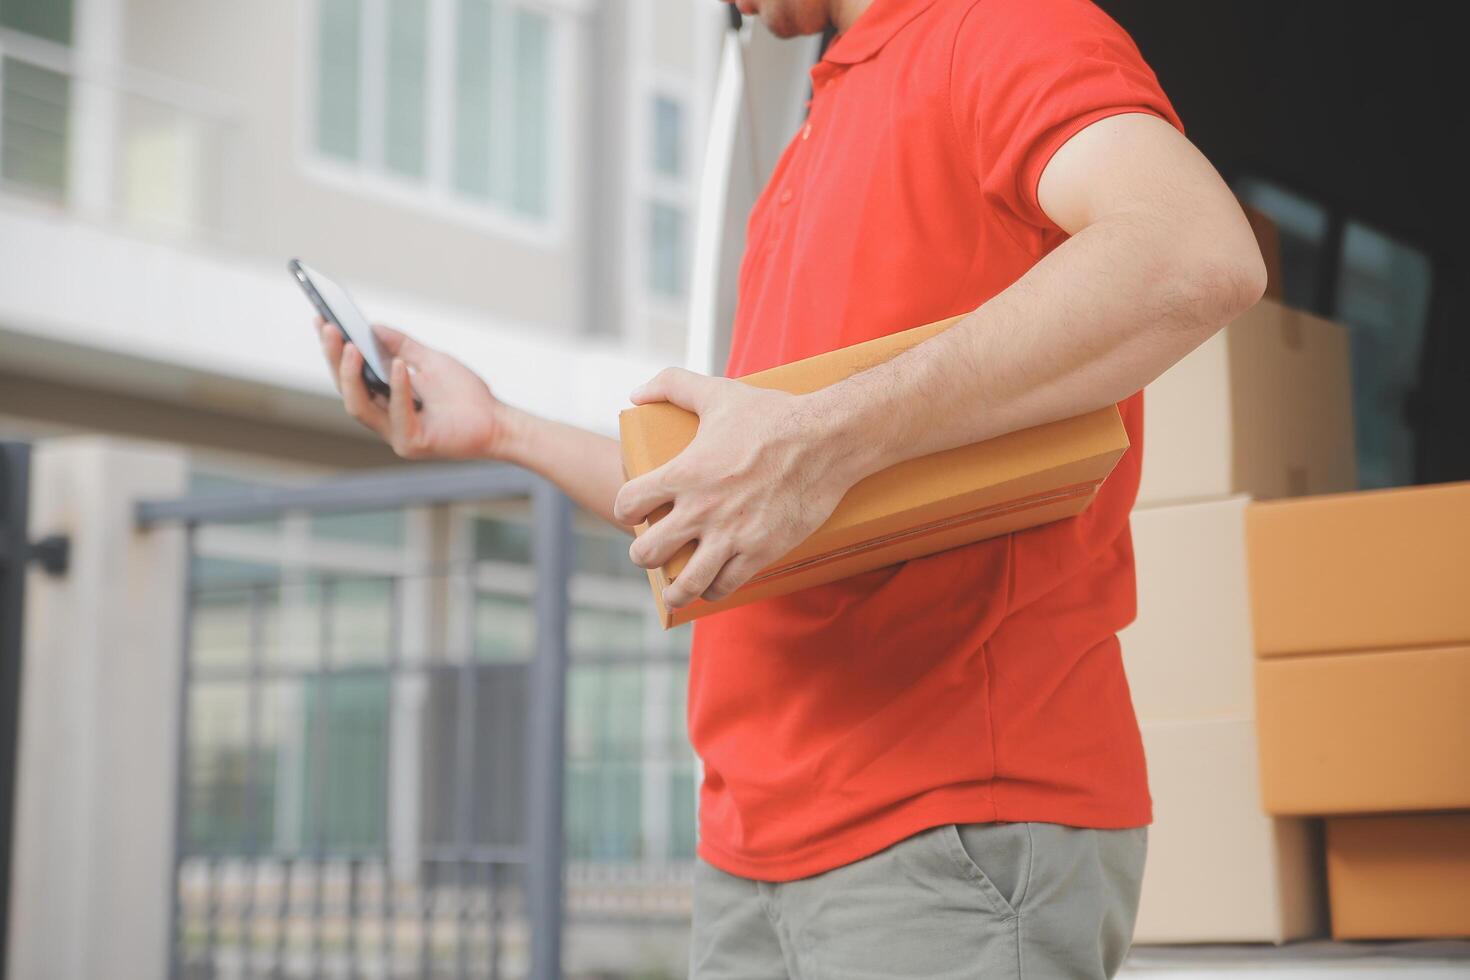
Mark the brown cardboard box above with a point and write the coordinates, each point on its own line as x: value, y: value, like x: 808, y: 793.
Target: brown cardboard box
x: 1188, y: 654
x: 1361, y: 571
x: 1402, y: 877
x: 1365, y: 732
x: 1219, y: 869
x: 1262, y: 408
x: 916, y: 508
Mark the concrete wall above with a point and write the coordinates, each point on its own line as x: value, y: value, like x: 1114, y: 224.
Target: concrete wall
x: 95, y: 798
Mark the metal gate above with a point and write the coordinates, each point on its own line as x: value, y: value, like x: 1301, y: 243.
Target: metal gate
x: 371, y: 756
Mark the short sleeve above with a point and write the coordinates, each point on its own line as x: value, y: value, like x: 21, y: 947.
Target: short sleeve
x: 1028, y: 75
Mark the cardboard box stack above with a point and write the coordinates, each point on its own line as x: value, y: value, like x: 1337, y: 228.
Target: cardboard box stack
x: 1362, y: 630
x: 1260, y: 411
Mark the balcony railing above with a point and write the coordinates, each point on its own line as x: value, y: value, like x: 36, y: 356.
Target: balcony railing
x: 113, y: 143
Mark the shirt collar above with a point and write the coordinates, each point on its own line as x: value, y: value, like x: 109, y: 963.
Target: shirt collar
x: 873, y: 29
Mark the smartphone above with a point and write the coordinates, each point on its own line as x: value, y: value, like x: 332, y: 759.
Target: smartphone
x: 337, y: 308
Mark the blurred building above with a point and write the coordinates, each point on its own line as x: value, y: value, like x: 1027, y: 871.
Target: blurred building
x: 509, y: 180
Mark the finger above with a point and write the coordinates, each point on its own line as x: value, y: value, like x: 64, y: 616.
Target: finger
x: 642, y: 495
x: 737, y: 572
x: 676, y: 385
x: 398, y: 344
x: 331, y: 340
x: 660, y: 542
x: 355, y: 394
x: 709, y: 558
x: 403, y: 420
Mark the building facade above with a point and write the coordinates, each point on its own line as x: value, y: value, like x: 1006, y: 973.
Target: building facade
x: 512, y: 181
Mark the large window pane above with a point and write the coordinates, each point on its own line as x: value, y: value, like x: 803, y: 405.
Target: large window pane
x: 668, y: 137
x: 472, y: 98
x: 50, y: 19
x: 1383, y: 291
x: 339, y: 78
x: 665, y: 249
x: 505, y: 628
x: 345, y: 771
x: 532, y: 97
x: 33, y: 127
x: 403, y: 130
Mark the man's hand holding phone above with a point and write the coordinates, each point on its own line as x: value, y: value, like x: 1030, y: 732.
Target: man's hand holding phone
x: 460, y: 418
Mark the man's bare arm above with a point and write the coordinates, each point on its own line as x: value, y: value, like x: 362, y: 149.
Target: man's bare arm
x: 462, y: 419
x: 1160, y: 257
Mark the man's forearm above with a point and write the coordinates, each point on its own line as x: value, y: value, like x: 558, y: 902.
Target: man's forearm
x: 1096, y: 320
x: 588, y: 467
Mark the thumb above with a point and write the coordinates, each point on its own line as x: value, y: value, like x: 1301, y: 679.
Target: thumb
x: 676, y: 386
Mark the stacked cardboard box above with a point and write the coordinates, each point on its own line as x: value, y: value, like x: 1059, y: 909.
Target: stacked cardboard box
x: 1362, y: 629
x: 1262, y: 410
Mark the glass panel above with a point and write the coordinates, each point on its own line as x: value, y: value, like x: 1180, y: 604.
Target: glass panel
x: 599, y: 553
x: 1302, y: 226
x: 384, y: 527
x: 604, y: 762
x: 505, y: 628
x: 605, y: 631
x: 218, y: 727
x: 228, y: 596
x: 668, y: 137
x: 1383, y: 293
x: 345, y: 772
x: 339, y: 81
x: 532, y: 36
x: 665, y: 249
x: 407, y: 88
x: 472, y: 91
x: 33, y: 127
x: 50, y: 19
x: 361, y: 620
x: 502, y: 540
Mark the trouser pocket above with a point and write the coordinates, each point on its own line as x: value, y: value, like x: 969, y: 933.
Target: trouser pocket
x: 995, y: 857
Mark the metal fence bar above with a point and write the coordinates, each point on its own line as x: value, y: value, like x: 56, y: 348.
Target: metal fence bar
x: 15, y: 484
x: 551, y: 551
x: 252, y: 772
x: 181, y: 775
x: 465, y: 773
x: 321, y: 751
x: 391, y: 489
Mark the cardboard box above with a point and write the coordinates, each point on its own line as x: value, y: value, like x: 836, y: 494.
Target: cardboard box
x: 1361, y: 571
x: 1219, y: 869
x: 1365, y: 732
x: 1188, y: 654
x: 1263, y: 408
x: 916, y: 508
x: 1399, y: 877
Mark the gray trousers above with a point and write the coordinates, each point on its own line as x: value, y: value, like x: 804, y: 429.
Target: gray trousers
x: 992, y: 901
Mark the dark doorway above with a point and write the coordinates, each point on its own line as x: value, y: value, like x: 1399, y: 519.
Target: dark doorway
x: 1343, y: 120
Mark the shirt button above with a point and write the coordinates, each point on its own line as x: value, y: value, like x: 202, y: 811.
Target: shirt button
x: 786, y: 196
x: 806, y: 130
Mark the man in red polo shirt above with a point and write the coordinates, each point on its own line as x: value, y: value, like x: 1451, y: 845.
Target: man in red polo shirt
x: 931, y: 769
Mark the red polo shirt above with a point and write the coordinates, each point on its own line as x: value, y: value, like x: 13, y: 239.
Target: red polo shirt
x: 983, y: 683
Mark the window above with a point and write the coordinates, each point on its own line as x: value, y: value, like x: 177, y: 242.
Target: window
x: 667, y: 203
x: 1383, y: 290
x: 1380, y: 289
x: 378, y: 63
x: 47, y: 19
x: 35, y: 106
